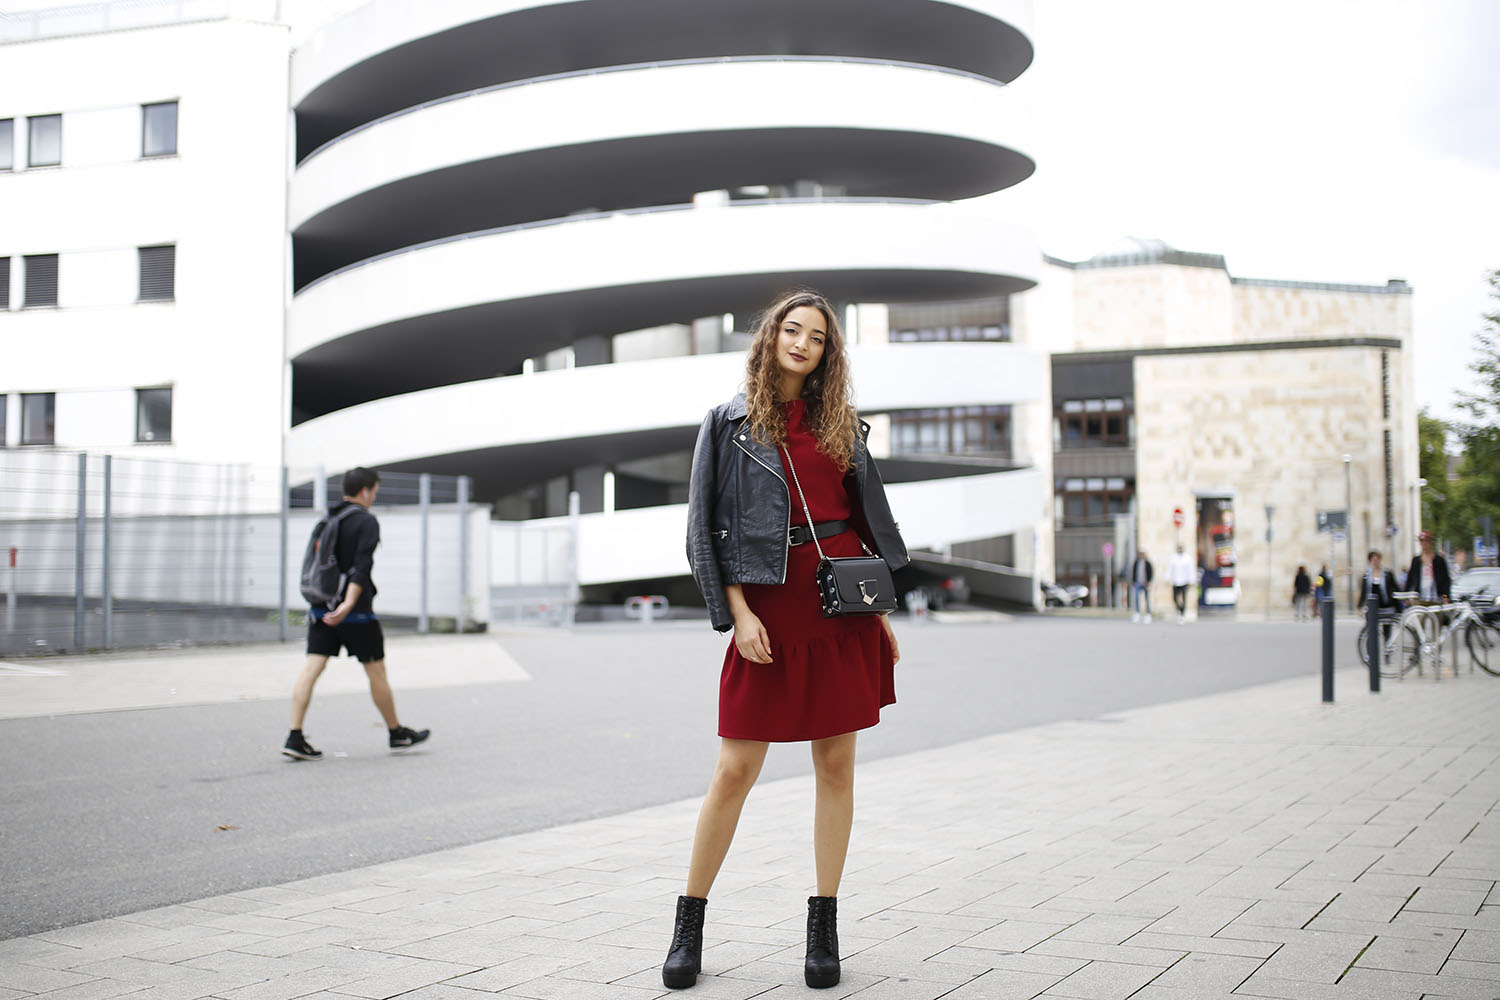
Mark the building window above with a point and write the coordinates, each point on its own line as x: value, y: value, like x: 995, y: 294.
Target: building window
x: 4, y: 283
x: 45, y: 146
x: 1088, y: 503
x: 7, y: 143
x: 158, y: 273
x: 4, y: 408
x: 38, y: 410
x: 1093, y: 423
x: 41, y: 280
x: 159, y: 129
x: 153, y: 414
x: 947, y: 333
x: 956, y: 430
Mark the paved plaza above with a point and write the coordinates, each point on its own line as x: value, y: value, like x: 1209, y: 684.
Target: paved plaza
x: 1247, y: 844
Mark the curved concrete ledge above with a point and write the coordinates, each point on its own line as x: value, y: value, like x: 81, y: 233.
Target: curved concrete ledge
x: 476, y: 306
x: 608, y: 413
x: 647, y: 543
x: 391, y: 54
x: 652, y: 137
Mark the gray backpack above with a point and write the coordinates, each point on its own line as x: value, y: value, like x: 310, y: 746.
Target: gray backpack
x: 322, y: 580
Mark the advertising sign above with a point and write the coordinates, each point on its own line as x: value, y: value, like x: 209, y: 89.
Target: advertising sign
x: 1216, y: 551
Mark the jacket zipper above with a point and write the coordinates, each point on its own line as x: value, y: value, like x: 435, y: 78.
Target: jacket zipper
x: 788, y: 529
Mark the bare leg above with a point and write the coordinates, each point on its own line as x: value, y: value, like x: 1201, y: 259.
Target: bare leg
x: 734, y: 775
x: 833, y: 763
x: 380, y: 692
x: 303, y: 689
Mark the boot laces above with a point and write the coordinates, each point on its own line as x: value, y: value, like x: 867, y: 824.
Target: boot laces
x: 820, y: 929
x: 688, y: 926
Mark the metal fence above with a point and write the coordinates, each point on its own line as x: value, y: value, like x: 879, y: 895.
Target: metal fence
x: 101, y: 552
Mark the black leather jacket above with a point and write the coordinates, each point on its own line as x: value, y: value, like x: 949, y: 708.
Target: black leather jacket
x: 739, y: 509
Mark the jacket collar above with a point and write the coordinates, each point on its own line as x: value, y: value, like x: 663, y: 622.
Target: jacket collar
x: 738, y: 407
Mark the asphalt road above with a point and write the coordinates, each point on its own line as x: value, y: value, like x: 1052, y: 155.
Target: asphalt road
x: 112, y: 812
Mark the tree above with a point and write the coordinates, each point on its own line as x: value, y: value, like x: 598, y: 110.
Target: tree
x: 1476, y: 494
x: 1432, y: 465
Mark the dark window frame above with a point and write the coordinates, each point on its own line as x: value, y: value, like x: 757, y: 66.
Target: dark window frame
x: 1078, y: 428
x: 151, y: 284
x: 5, y: 269
x: 31, y: 297
x: 4, y: 413
x: 146, y: 152
x: 141, y: 435
x: 27, y: 438
x: 9, y: 145
x: 31, y: 144
x: 947, y: 424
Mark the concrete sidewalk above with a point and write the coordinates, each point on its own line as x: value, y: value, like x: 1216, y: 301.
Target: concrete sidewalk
x: 1251, y: 844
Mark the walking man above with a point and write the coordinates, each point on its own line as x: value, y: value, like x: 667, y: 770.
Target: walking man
x: 1182, y: 574
x: 1140, y: 588
x: 352, y: 624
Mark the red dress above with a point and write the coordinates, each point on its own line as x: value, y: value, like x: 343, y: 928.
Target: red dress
x: 827, y: 675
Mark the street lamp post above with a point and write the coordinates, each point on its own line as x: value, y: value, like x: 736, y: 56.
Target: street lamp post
x: 1349, y: 526
x: 1270, y: 566
x: 1416, y: 506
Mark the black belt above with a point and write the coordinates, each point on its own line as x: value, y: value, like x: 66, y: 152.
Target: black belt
x: 801, y: 534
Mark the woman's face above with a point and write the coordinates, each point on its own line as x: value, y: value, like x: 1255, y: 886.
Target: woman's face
x: 800, y: 340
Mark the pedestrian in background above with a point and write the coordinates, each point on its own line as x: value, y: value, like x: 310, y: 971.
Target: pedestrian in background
x: 1381, y: 581
x: 1301, y: 594
x: 789, y: 674
x: 1323, y: 586
x: 1429, y: 575
x: 351, y: 624
x: 1182, y: 573
x: 1141, y: 573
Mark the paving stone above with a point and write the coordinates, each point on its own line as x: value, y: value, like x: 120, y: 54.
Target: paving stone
x: 393, y: 982
x: 94, y: 989
x: 1402, y: 954
x: 1104, y: 981
x: 1459, y: 901
x: 34, y: 979
x: 1002, y: 984
x: 292, y: 987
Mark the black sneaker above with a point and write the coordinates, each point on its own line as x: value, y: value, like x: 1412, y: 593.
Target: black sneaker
x: 297, y: 747
x: 404, y: 739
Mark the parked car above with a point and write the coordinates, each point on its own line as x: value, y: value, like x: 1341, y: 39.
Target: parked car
x: 938, y: 591
x: 1483, y: 581
x: 1074, y: 595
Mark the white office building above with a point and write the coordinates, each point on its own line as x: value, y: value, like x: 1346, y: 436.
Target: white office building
x: 142, y: 231
x: 522, y: 242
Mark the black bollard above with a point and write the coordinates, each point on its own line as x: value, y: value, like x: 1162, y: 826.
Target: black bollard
x: 1325, y: 615
x: 1373, y: 638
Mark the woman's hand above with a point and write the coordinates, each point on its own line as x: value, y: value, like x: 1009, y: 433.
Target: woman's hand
x: 890, y: 634
x: 750, y: 638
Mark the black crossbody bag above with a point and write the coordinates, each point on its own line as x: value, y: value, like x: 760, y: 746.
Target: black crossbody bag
x: 851, y: 585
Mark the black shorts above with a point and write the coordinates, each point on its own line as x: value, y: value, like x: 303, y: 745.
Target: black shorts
x: 365, y: 641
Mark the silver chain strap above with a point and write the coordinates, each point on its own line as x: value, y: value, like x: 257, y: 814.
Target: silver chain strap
x: 812, y: 528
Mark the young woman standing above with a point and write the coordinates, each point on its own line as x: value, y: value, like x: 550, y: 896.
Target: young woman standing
x: 790, y: 674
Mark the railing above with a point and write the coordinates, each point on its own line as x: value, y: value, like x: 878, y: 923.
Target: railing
x: 109, y: 551
x: 636, y: 67
x: 79, y: 19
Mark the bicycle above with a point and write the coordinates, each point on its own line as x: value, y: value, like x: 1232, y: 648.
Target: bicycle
x: 1401, y: 644
x: 1482, y: 633
x: 1435, y: 624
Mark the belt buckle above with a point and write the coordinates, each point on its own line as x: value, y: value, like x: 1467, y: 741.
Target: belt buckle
x: 791, y: 536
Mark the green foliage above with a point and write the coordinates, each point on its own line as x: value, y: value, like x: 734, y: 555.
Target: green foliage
x: 1476, y: 492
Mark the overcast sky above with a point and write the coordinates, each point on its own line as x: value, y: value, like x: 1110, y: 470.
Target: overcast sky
x: 1316, y: 140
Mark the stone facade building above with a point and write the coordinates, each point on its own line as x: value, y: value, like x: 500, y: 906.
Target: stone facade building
x: 1179, y: 387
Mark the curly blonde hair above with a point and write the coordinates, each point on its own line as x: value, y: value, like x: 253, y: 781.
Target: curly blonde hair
x: 828, y: 390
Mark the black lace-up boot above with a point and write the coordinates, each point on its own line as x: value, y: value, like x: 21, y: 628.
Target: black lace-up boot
x: 822, y: 967
x: 685, y: 958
